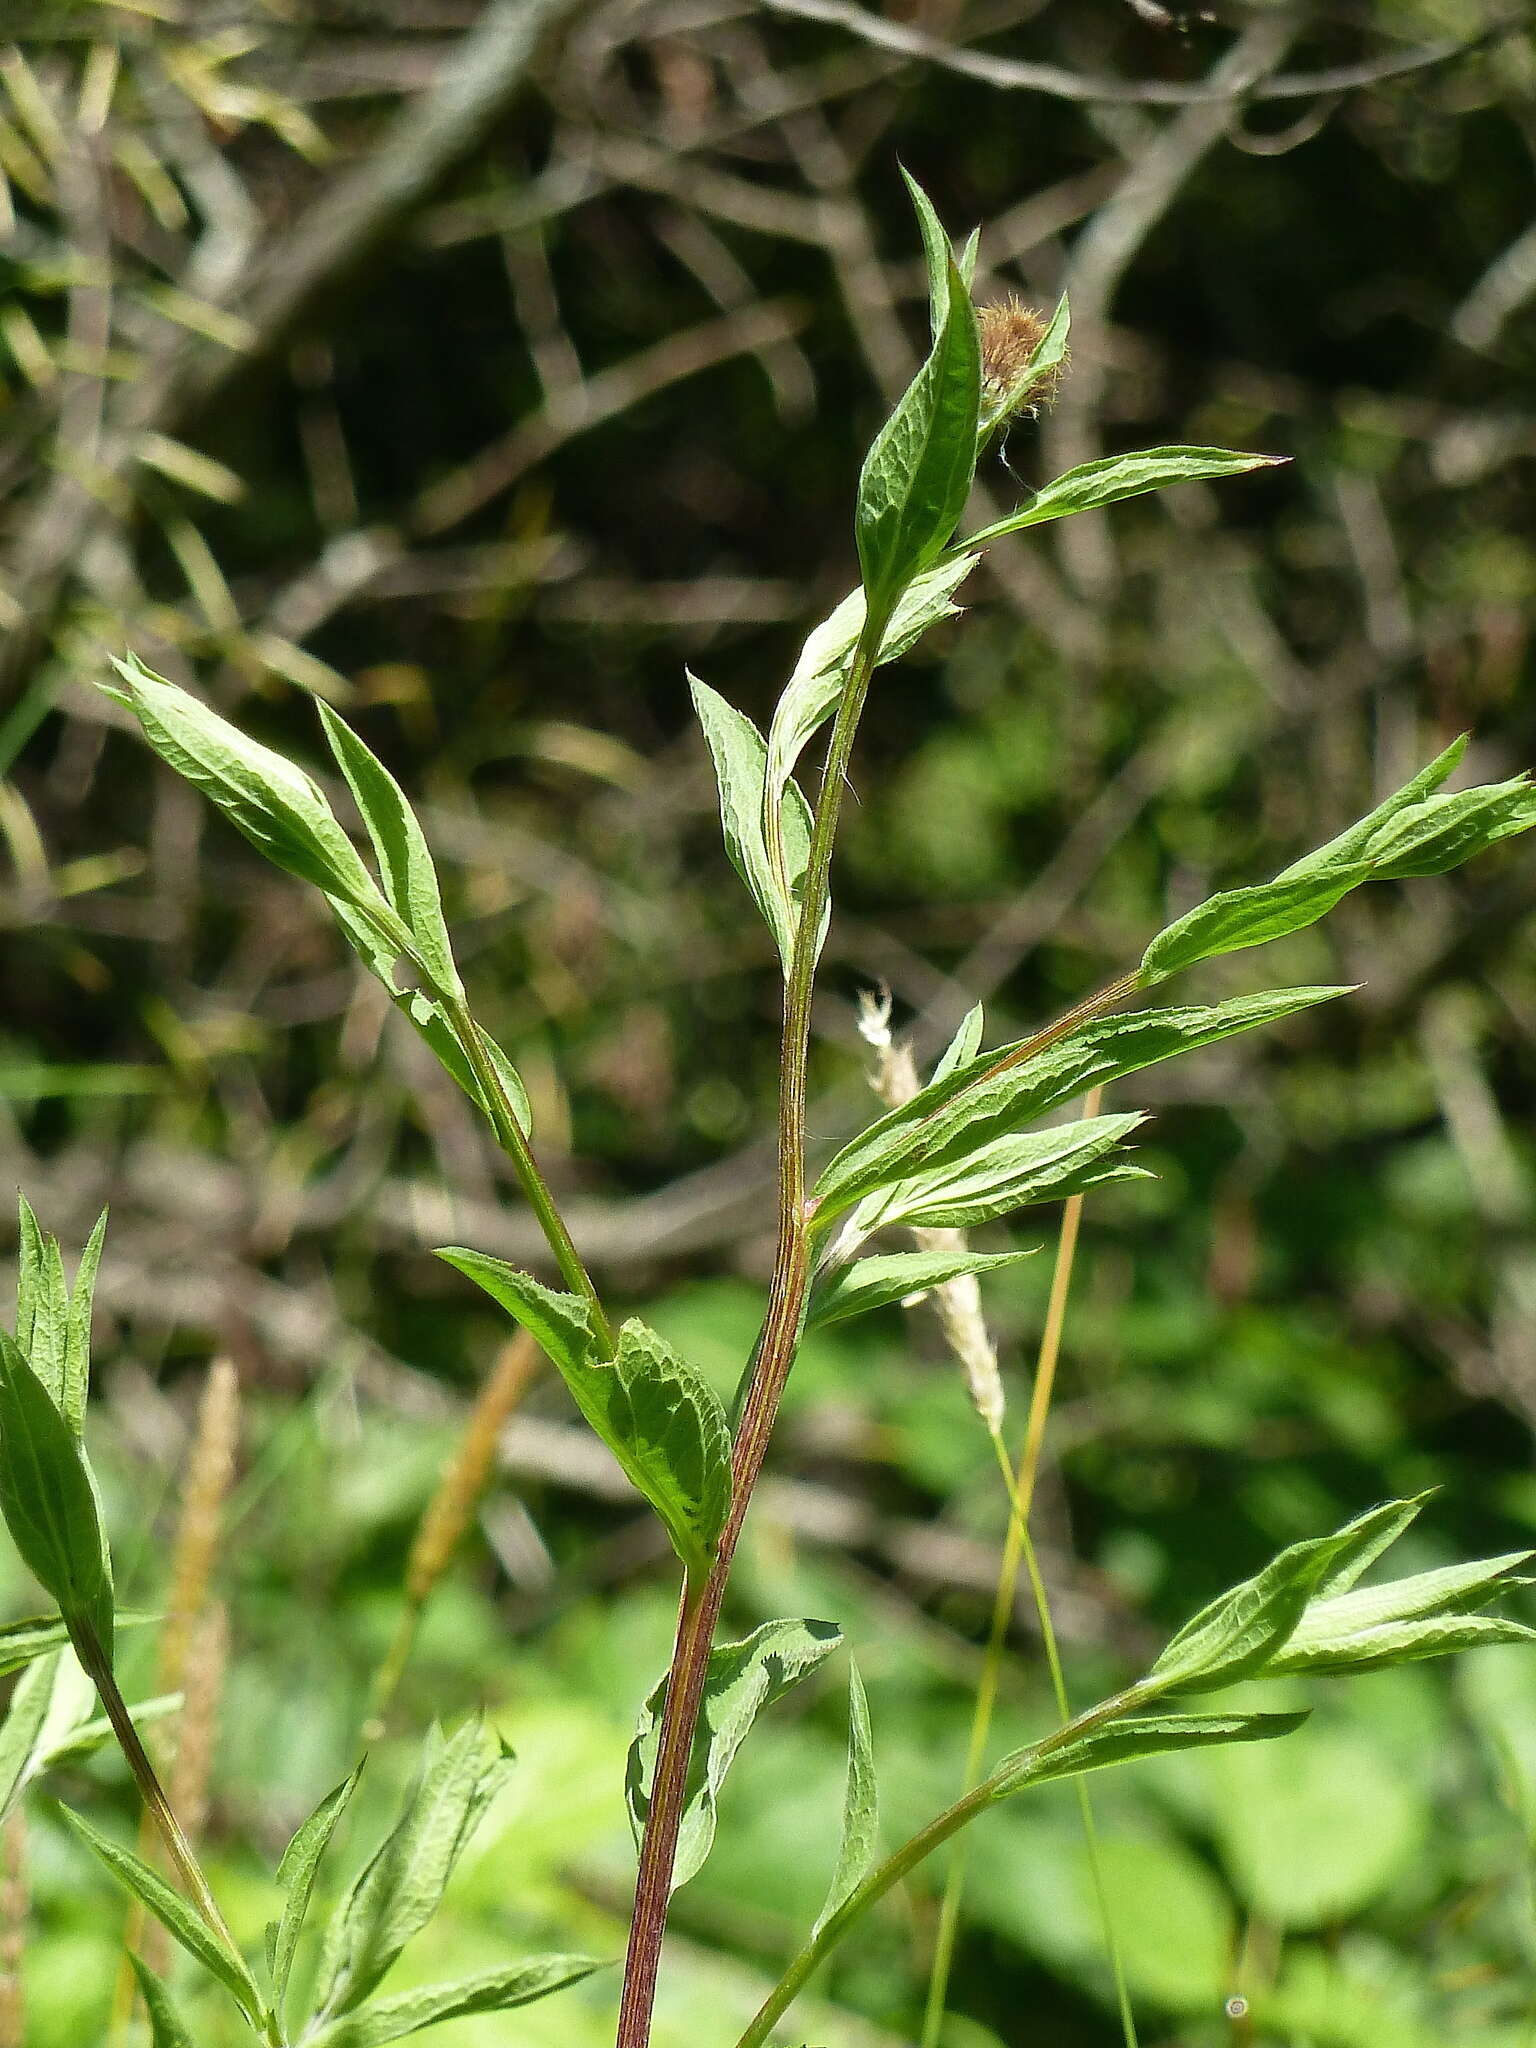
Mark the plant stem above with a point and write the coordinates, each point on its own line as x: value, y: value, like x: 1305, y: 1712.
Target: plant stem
x: 772, y: 1359
x: 1019, y: 1546
x: 1084, y: 1799
x: 1002, y: 1782
x: 98, y: 1669
x: 500, y: 1109
x: 1084, y: 1012
x: 513, y: 1141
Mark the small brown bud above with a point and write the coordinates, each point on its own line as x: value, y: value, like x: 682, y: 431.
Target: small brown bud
x: 1010, y: 332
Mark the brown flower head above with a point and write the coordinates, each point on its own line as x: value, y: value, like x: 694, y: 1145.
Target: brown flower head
x: 1010, y: 333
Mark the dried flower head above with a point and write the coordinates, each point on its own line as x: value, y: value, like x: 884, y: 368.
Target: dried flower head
x: 1010, y: 334
x: 958, y: 1302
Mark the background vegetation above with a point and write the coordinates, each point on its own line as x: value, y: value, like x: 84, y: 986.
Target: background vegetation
x: 480, y: 401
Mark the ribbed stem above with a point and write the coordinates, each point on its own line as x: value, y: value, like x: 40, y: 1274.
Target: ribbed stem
x: 772, y: 1360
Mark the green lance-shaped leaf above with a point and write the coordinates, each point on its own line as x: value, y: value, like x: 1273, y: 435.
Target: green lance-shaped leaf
x: 23, y: 1642
x: 405, y: 861
x: 937, y: 254
x: 296, y: 1875
x: 1353, y: 843
x: 53, y: 1320
x: 382, y: 959
x: 499, y: 1990
x: 84, y: 1737
x: 1239, y: 1633
x: 167, y: 2029
x: 1123, y: 1742
x: 1097, y: 484
x: 50, y: 1690
x: 280, y: 809
x: 1429, y: 1614
x: 77, y: 1336
x: 1050, y: 353
x: 860, y: 1841
x: 401, y: 1886
x: 1011, y: 1173
x: 1239, y: 918
x: 740, y: 757
x: 1371, y: 1536
x: 898, y: 1277
x: 917, y: 475
x: 173, y: 1913
x: 42, y: 1301
x: 663, y: 1423
x: 964, y: 1046
x: 51, y: 1720
x: 966, y: 1106
x: 811, y: 694
x: 284, y: 813
x: 48, y: 1498
x: 1439, y: 833
x: 1413, y: 833
x: 743, y: 1679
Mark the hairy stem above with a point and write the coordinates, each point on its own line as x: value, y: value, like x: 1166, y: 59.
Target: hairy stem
x: 772, y: 1359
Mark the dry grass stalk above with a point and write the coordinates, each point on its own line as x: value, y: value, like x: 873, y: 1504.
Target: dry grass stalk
x: 205, y: 1487
x: 202, y: 1688
x: 460, y: 1489
x: 15, y: 1908
x: 193, y: 1641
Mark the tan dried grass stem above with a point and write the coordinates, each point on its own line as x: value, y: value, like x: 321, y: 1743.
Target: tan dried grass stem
x: 448, y: 1514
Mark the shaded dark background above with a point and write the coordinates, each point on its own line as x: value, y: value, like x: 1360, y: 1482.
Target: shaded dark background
x: 580, y: 405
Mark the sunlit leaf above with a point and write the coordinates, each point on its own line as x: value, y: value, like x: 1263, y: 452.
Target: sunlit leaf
x: 897, y: 1276
x: 917, y: 475
x: 967, y: 1105
x: 1010, y: 1173
x: 817, y: 681
x: 740, y: 757
x: 401, y: 1886
x: 1237, y: 1635
x: 1414, y: 832
x: 280, y: 809
x: 859, y: 1845
x: 391, y: 2019
x: 1123, y: 1742
x: 172, y: 1911
x: 48, y: 1499
x: 1429, y: 1614
x: 744, y: 1678
x: 1114, y: 477
x: 405, y: 861
x: 963, y: 1047
x: 296, y: 1875
x: 663, y: 1423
